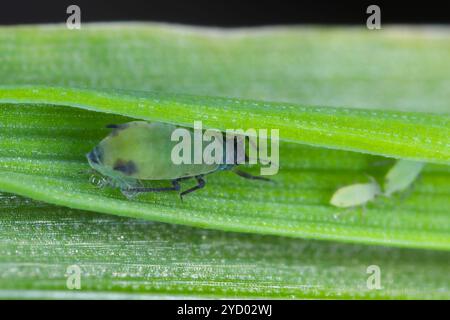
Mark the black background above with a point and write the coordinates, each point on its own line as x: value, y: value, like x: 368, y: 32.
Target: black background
x: 231, y: 13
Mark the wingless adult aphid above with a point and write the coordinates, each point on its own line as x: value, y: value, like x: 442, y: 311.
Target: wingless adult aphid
x: 140, y: 150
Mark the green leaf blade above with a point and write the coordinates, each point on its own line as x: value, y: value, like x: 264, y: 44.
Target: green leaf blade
x: 135, y: 259
x: 44, y: 162
x: 416, y: 136
x: 268, y: 79
x: 396, y: 68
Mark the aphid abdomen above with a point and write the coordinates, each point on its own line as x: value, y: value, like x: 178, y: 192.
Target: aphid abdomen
x: 355, y: 194
x: 143, y: 151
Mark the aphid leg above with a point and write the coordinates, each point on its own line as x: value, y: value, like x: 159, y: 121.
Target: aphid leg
x: 200, y: 184
x: 249, y: 176
x: 175, y: 187
x: 133, y: 191
x: 362, y: 212
x: 344, y: 213
x: 353, y: 211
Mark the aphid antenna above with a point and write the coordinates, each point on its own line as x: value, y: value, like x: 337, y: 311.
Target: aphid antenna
x: 257, y: 149
x: 374, y: 181
x: 368, y: 176
x: 249, y: 176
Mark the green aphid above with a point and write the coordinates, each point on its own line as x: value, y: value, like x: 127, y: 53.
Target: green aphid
x: 401, y: 176
x: 140, y: 150
x: 356, y: 194
x: 398, y: 178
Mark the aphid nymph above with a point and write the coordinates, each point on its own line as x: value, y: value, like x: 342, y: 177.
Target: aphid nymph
x: 398, y: 178
x: 356, y: 194
x: 139, y: 150
x: 401, y: 176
